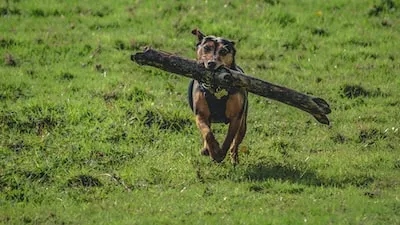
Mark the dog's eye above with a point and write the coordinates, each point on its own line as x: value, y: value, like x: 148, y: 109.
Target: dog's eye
x: 207, y: 48
x: 223, y: 51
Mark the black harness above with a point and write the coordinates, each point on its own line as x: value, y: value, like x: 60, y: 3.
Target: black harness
x: 216, y: 99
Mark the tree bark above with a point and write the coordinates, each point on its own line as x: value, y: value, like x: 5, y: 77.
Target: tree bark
x: 226, y: 78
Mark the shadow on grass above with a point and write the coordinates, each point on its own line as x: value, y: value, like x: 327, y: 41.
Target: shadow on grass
x: 261, y: 172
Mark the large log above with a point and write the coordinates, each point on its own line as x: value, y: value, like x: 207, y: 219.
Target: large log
x: 225, y: 78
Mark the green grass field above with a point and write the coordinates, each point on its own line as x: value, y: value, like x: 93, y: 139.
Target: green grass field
x: 89, y: 137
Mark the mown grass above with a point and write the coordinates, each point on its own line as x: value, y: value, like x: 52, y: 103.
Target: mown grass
x: 88, y: 137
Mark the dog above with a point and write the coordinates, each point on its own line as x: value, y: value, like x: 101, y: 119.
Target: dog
x: 213, y: 104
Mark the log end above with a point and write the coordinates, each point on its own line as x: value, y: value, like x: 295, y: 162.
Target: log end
x: 322, y: 118
x: 139, y: 57
x: 133, y: 57
x: 322, y: 105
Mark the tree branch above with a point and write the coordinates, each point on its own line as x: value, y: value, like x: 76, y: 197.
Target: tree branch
x: 226, y: 78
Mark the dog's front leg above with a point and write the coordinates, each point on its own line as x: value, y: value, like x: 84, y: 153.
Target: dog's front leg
x: 234, y: 112
x: 210, y: 143
x: 237, y: 140
x: 202, y: 112
x: 232, y: 132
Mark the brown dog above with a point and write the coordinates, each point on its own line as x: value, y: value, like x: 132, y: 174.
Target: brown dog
x: 211, y: 103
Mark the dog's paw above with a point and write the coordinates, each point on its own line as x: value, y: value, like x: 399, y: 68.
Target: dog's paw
x: 218, y: 158
x: 204, y: 152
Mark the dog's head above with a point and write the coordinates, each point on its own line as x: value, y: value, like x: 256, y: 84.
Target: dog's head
x: 214, y: 52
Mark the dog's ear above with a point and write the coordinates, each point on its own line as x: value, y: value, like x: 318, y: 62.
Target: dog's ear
x: 198, y: 33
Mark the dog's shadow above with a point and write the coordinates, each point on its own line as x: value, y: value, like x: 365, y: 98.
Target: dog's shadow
x: 262, y: 172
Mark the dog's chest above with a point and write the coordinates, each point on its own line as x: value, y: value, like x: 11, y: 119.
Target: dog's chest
x: 217, y: 106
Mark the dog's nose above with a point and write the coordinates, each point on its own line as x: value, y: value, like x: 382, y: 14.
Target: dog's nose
x: 211, y: 65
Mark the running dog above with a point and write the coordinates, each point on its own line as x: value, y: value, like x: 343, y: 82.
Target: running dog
x: 211, y: 103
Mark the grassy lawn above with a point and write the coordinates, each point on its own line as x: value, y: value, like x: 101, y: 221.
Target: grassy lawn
x: 89, y: 137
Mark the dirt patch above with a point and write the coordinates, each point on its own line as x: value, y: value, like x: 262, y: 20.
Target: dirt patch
x: 84, y: 181
x: 6, y: 43
x: 18, y: 146
x: 120, y: 45
x: 136, y: 95
x: 383, y: 6
x: 354, y: 91
x: 38, y: 13
x: 9, y: 60
x: 339, y: 138
x: 370, y: 136
x: 67, y: 76
x: 4, y: 11
x: 111, y: 96
x: 294, y: 44
x: 40, y: 177
x: 320, y: 32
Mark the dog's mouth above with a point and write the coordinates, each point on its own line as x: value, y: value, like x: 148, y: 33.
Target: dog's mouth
x: 212, y: 66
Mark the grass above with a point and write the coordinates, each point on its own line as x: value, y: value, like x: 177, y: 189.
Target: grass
x: 89, y: 137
